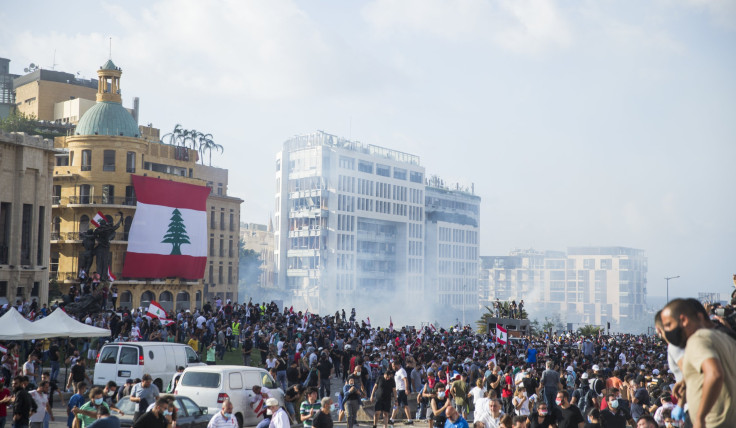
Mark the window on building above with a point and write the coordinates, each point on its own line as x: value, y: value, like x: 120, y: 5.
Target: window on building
x: 399, y: 174
x: 41, y: 235
x: 230, y: 248
x: 130, y: 195
x: 416, y: 177
x: 5, y: 216
x: 222, y: 221
x: 56, y: 194
x: 364, y: 166
x: 25, y: 235
x: 222, y: 247
x: 108, y: 160
x: 220, y: 275
x: 383, y: 170
x: 219, y: 189
x: 108, y: 194
x: 4, y: 289
x: 86, y: 160
x: 84, y: 193
x: 229, y: 274
x: 589, y: 264
x: 212, y: 247
x: 212, y: 273
x: 130, y: 162
x: 347, y: 163
x: 83, y: 223
x: 607, y: 264
x: 62, y: 160
x: 35, y: 289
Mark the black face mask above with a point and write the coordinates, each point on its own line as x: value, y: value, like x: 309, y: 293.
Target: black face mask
x: 676, y: 336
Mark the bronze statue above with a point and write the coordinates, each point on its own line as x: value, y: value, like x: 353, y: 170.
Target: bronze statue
x: 88, y: 255
x: 104, y: 234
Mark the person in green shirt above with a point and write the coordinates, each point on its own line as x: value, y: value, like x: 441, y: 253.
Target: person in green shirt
x: 87, y: 414
x: 210, y: 359
x: 460, y: 391
x: 308, y: 409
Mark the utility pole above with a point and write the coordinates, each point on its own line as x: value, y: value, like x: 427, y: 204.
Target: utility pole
x: 668, y: 278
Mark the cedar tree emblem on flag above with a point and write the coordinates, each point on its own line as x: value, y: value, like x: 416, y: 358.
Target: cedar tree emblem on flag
x: 168, y: 237
x: 177, y: 233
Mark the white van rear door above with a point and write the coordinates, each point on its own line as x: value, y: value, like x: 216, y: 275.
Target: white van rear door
x: 128, y: 367
x: 107, y: 365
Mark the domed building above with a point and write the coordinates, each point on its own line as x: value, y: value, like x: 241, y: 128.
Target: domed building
x: 94, y: 175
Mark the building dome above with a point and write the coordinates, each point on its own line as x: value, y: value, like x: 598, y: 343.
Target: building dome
x: 107, y: 118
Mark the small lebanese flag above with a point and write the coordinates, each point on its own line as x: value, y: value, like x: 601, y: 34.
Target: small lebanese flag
x: 155, y: 310
x: 390, y: 324
x: 168, y: 237
x: 432, y: 327
x: 3, y: 350
x: 97, y: 218
x: 502, y: 335
x: 165, y: 322
x: 110, y: 276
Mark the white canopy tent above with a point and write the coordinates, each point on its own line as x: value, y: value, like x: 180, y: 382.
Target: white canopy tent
x: 14, y: 327
x: 59, y: 324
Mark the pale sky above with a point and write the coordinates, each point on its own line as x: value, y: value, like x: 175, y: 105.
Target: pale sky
x: 580, y: 123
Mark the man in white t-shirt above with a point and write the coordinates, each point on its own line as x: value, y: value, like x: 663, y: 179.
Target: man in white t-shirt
x: 41, y: 397
x: 402, y: 389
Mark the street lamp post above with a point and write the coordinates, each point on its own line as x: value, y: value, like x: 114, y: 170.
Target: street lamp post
x: 668, y: 278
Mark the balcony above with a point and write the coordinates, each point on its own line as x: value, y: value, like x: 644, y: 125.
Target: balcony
x: 304, y: 232
x: 125, y: 201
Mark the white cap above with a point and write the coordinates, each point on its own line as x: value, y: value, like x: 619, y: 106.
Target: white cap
x: 584, y: 376
x: 596, y: 368
x: 570, y: 369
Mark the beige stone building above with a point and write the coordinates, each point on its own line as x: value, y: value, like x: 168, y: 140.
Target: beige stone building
x: 223, y: 223
x: 36, y: 93
x: 94, y: 174
x: 26, y: 163
x: 260, y: 238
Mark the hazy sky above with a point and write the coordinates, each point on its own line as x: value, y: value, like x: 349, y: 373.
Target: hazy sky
x: 580, y: 123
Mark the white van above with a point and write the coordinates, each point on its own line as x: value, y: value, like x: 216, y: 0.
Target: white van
x: 211, y: 385
x: 119, y: 361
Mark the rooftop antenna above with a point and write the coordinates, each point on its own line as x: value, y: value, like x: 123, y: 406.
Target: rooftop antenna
x: 53, y: 64
x: 110, y: 50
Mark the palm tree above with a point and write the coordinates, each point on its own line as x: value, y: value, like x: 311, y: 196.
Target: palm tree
x: 207, y: 143
x: 175, y: 136
x: 191, y: 136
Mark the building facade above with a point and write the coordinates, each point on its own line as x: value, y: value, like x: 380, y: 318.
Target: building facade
x: 452, y: 245
x: 37, y: 92
x: 26, y: 164
x: 349, y: 223
x: 94, y: 174
x: 7, y: 95
x: 223, y: 223
x: 585, y: 285
x: 260, y: 238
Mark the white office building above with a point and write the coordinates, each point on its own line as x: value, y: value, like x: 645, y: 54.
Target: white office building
x: 349, y: 223
x: 452, y: 245
x: 585, y: 285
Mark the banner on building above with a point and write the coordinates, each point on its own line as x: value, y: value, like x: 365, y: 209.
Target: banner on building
x: 168, y: 237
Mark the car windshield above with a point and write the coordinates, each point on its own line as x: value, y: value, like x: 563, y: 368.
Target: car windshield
x: 126, y: 406
x: 201, y: 379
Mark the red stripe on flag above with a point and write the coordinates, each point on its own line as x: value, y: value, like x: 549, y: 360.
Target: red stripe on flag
x: 155, y: 191
x: 140, y: 265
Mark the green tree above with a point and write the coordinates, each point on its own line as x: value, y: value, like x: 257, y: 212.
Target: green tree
x: 482, y: 323
x: 18, y: 121
x: 548, y: 324
x: 175, y: 137
x: 176, y: 235
x: 589, y: 330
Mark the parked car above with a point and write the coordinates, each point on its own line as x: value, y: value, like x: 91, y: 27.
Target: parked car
x: 119, y: 361
x: 189, y: 414
x: 211, y: 385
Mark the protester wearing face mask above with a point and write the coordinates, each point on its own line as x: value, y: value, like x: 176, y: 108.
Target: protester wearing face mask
x: 224, y: 418
x: 108, y: 396
x: 87, y: 414
x: 542, y: 418
x: 613, y: 416
x: 567, y: 415
x: 161, y: 416
x: 593, y: 419
x: 708, y: 366
x: 439, y: 404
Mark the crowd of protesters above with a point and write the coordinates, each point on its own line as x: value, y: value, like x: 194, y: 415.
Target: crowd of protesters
x: 683, y: 376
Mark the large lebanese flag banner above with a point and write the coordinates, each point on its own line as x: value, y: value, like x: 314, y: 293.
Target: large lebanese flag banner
x: 168, y: 237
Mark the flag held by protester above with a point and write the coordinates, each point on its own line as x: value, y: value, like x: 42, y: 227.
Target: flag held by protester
x: 110, y: 276
x: 97, y: 219
x: 502, y: 335
x: 155, y: 310
x: 168, y: 237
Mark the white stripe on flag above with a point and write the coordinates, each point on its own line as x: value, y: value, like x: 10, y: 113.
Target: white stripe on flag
x: 151, y: 223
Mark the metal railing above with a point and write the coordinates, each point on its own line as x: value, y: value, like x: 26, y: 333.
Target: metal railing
x: 102, y: 200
